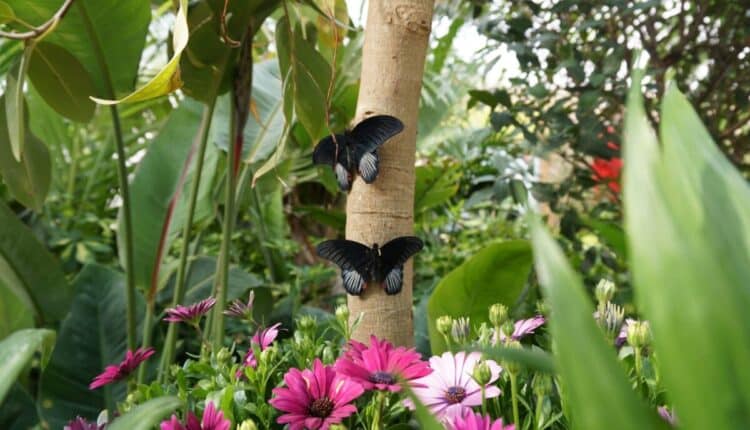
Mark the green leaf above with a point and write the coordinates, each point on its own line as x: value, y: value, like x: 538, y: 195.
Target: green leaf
x: 14, y: 313
x: 6, y: 13
x: 435, y: 185
x: 689, y: 230
x: 310, y: 76
x: 91, y: 338
x: 62, y: 81
x: 147, y: 415
x: 426, y: 419
x: 596, y: 387
x: 265, y: 127
x: 17, y: 350
x: 106, y: 36
x: 531, y: 358
x: 18, y: 412
x: 29, y: 271
x: 167, y: 79
x: 29, y: 179
x: 155, y: 182
x: 496, y: 274
x: 14, y: 104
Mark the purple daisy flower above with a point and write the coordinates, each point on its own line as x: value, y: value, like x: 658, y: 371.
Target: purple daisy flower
x: 213, y: 419
x: 80, y: 423
x: 522, y: 328
x: 240, y: 309
x: 114, y: 373
x: 477, y: 421
x: 189, y: 314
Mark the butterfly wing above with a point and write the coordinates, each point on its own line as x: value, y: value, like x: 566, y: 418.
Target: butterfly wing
x: 335, y: 153
x: 354, y: 259
x: 366, y: 137
x: 393, y: 255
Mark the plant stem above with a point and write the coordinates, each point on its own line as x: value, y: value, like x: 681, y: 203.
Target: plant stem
x: 222, y: 272
x: 179, y: 287
x: 484, y: 400
x: 127, y: 238
x: 514, y: 397
x: 148, y: 321
x: 638, y: 364
x: 376, y: 418
x: 538, y: 412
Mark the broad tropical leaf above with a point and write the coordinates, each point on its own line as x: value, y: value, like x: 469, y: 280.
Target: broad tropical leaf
x: 17, y: 350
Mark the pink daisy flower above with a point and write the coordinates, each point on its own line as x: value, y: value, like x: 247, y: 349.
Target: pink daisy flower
x: 241, y: 310
x: 189, y: 314
x: 477, y: 421
x: 315, y: 399
x: 213, y: 419
x: 522, y: 328
x: 381, y: 366
x: 114, y: 373
x: 263, y: 338
x: 450, y: 391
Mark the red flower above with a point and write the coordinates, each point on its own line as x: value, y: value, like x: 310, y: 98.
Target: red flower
x: 608, y: 171
x: 114, y: 373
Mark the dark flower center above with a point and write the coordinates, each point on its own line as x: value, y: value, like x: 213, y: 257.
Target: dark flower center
x: 321, y: 408
x: 382, y: 378
x: 455, y: 394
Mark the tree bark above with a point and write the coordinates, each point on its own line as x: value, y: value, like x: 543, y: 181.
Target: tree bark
x: 396, y: 39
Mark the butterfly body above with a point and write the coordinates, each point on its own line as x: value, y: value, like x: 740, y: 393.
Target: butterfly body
x: 362, y: 265
x: 355, y: 151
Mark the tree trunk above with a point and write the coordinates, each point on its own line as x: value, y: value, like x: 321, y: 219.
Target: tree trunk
x: 393, y: 60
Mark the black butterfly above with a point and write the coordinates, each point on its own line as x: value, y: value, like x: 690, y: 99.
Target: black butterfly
x: 356, y: 150
x: 361, y: 265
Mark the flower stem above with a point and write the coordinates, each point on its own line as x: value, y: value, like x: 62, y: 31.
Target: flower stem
x: 484, y: 400
x: 377, y: 417
x: 179, y: 288
x: 538, y: 412
x: 514, y: 397
x: 638, y: 364
x: 222, y: 269
x: 127, y: 237
x: 148, y: 321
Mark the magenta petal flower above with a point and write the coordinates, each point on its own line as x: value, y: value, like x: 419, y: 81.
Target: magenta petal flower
x: 472, y: 421
x: 213, y: 419
x: 315, y: 399
x: 381, y: 366
x: 667, y: 416
x: 80, y: 423
x: 114, y: 373
x: 189, y: 314
x: 263, y: 338
x: 450, y: 391
x: 240, y: 309
x: 523, y: 327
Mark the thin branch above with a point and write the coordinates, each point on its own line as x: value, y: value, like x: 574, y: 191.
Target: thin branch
x: 37, y: 31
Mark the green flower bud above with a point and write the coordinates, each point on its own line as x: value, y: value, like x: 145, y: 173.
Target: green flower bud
x: 639, y: 334
x: 512, y: 367
x: 328, y: 356
x: 306, y: 323
x: 612, y: 319
x: 268, y: 354
x: 482, y: 373
x: 498, y: 314
x: 508, y: 328
x: 248, y: 424
x: 342, y: 315
x: 605, y: 291
x: 485, y: 335
x: 444, y: 324
x: 460, y: 330
x: 223, y: 356
x: 542, y: 384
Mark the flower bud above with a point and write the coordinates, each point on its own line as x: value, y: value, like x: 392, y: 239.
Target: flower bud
x: 508, y: 328
x: 224, y: 355
x: 498, y: 314
x: 482, y: 373
x: 248, y: 424
x: 639, y: 334
x: 542, y: 384
x: 460, y: 330
x: 612, y: 320
x: 306, y: 323
x: 268, y: 354
x: 444, y: 324
x: 512, y: 366
x: 328, y: 356
x: 605, y: 291
x: 342, y: 315
x: 485, y: 335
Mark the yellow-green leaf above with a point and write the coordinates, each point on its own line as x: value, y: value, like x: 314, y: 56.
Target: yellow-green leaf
x: 62, y: 81
x: 6, y: 13
x: 168, y: 78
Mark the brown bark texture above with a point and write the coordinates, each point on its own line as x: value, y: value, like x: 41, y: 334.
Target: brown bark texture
x: 396, y: 40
